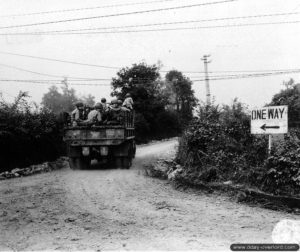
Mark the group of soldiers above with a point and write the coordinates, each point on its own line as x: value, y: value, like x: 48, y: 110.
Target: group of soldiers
x: 101, y: 113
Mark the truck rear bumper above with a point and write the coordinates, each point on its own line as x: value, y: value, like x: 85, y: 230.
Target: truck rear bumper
x: 95, y: 143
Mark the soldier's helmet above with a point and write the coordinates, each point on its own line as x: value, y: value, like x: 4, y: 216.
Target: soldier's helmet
x: 127, y: 95
x: 98, y: 106
x: 79, y: 105
x: 103, y: 100
x: 119, y: 102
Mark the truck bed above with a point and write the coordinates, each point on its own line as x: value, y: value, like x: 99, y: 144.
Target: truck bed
x: 98, y: 135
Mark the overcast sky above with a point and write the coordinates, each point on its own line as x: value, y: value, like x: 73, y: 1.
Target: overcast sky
x: 232, y: 47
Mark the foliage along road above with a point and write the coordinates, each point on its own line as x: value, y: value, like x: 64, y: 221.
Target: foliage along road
x: 123, y: 209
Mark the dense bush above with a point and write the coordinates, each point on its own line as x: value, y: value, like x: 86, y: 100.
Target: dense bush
x: 283, y: 166
x: 221, y: 138
x: 28, y: 135
x: 218, y: 146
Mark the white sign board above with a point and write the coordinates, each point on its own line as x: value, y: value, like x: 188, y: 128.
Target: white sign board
x: 269, y: 120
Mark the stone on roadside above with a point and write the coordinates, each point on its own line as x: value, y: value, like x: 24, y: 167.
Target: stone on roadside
x: 158, y: 170
x: 172, y: 175
x: 16, y: 170
x: 178, y: 166
x: 241, y: 196
x: 37, y: 169
x: 70, y: 219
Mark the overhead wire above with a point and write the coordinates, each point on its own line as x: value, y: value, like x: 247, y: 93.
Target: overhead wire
x: 224, y: 77
x: 117, y: 14
x: 175, y: 28
x: 93, y: 65
x: 248, y: 75
x: 58, y: 60
x: 52, y: 80
x: 85, y: 8
x: 43, y: 74
x: 151, y: 24
x: 53, y: 83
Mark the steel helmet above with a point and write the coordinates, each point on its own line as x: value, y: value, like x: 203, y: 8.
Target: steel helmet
x: 127, y: 95
x: 79, y: 104
x: 103, y: 100
x: 120, y: 102
x: 98, y: 106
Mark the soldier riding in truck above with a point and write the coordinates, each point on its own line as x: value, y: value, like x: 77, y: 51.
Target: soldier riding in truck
x: 106, y: 135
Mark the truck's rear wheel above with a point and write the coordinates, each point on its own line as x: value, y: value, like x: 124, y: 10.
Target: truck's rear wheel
x: 79, y: 163
x: 126, y: 162
x: 118, y: 162
x: 133, y: 149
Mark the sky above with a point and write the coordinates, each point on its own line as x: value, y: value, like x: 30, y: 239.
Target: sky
x: 236, y: 43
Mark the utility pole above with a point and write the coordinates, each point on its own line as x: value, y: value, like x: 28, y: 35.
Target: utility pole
x: 65, y: 82
x: 208, y: 102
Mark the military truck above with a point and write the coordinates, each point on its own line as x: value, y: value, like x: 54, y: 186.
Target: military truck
x: 109, y: 144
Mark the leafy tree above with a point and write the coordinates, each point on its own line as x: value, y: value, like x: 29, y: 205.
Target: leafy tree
x: 179, y: 89
x: 143, y: 82
x: 289, y: 96
x: 59, y: 101
x: 88, y: 100
x: 52, y: 100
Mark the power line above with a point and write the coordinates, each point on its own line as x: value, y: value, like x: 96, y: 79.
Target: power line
x: 111, y: 67
x: 44, y: 74
x: 253, y: 73
x: 178, y: 28
x: 151, y: 24
x: 170, y: 29
x: 224, y: 77
x: 33, y: 72
x: 48, y: 80
x: 87, y: 8
x: 70, y: 81
x: 58, y: 60
x: 67, y: 61
x: 53, y: 83
x: 88, y: 79
x: 249, y: 75
x: 117, y: 14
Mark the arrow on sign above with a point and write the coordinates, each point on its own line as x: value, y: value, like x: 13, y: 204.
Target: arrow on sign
x: 264, y: 127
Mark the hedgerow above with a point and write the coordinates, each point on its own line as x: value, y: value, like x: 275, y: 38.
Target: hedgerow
x: 28, y: 134
x: 218, y: 146
x: 283, y: 166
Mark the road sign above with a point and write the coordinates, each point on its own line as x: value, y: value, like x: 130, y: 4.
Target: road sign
x: 269, y: 120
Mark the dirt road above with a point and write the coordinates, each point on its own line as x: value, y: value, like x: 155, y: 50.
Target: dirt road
x: 123, y: 209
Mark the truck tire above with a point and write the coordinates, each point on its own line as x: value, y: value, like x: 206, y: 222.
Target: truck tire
x: 133, y: 149
x: 79, y: 163
x: 118, y: 162
x: 126, y: 162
